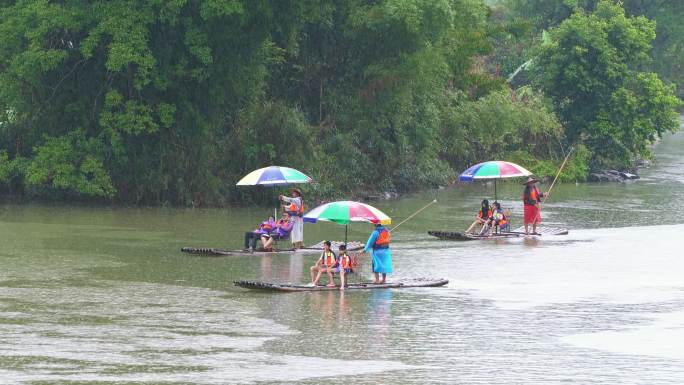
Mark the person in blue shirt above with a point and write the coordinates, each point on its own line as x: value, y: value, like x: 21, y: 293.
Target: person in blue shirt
x: 378, y: 244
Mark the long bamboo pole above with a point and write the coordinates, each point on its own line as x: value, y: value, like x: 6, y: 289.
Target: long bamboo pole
x: 413, y: 215
x: 548, y: 193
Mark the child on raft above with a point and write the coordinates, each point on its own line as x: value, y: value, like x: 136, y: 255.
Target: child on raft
x: 344, y: 264
x: 498, y: 218
x: 482, y: 216
x: 325, y: 264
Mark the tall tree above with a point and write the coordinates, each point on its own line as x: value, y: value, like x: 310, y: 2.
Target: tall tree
x: 668, y: 47
x: 138, y: 98
x: 592, y: 71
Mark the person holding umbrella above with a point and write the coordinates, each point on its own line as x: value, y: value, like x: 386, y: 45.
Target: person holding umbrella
x: 378, y: 244
x: 294, y: 206
x: 531, y: 198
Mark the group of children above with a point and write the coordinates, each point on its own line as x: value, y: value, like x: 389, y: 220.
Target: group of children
x: 330, y: 263
x: 494, y: 216
x: 490, y: 217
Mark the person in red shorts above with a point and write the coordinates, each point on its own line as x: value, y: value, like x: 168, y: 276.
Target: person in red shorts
x: 531, y: 199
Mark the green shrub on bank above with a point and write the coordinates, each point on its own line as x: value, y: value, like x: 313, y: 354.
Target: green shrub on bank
x: 501, y: 126
x: 576, y: 168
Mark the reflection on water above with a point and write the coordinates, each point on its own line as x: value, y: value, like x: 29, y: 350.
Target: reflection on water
x: 531, y: 241
x: 104, y: 295
x: 380, y: 316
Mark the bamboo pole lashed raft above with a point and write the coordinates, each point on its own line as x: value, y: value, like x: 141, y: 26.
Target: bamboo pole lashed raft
x: 519, y: 232
x: 313, y: 249
x: 457, y: 236
x: 289, y: 287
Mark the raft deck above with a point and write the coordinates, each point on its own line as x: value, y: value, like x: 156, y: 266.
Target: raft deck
x: 544, y: 230
x: 469, y: 237
x: 519, y: 232
x: 313, y: 249
x: 399, y: 284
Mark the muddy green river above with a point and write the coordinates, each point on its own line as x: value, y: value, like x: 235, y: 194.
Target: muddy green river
x: 101, y: 296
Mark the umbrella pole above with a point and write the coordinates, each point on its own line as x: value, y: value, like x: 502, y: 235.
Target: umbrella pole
x: 495, y: 197
x: 495, y: 200
x: 345, y: 234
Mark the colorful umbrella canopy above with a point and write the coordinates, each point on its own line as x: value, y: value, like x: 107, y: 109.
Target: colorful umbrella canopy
x: 345, y: 212
x: 274, y: 175
x: 495, y: 169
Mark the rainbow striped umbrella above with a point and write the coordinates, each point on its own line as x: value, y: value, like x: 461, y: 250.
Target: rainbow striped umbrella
x: 345, y: 212
x: 495, y: 169
x: 274, y: 175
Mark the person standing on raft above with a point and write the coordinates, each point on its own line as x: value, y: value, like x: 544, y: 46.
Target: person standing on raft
x: 295, y: 207
x: 378, y: 243
x: 531, y: 199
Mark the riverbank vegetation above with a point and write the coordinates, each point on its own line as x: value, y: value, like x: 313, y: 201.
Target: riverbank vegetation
x: 171, y: 102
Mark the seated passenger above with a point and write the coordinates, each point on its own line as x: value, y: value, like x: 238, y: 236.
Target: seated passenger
x: 344, y: 264
x: 498, y: 218
x: 482, y: 216
x: 251, y: 237
x: 325, y: 264
x: 282, y: 230
x: 505, y: 224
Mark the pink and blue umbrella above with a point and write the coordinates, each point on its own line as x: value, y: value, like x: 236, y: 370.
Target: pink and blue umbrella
x: 273, y: 176
x: 495, y: 169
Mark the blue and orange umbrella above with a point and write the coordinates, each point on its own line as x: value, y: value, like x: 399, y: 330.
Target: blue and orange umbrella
x: 495, y: 169
x: 273, y: 176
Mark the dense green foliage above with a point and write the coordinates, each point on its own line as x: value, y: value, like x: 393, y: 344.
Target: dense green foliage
x: 592, y: 72
x: 156, y: 102
x: 532, y: 17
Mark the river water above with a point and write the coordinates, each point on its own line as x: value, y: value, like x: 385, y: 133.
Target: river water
x: 96, y: 295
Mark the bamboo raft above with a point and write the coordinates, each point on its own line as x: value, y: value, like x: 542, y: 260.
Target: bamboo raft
x: 456, y: 236
x: 544, y: 230
x: 290, y: 287
x: 519, y: 232
x: 313, y: 249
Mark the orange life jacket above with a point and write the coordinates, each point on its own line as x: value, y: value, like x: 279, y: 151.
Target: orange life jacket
x: 383, y: 240
x: 345, y: 262
x: 329, y: 259
x: 283, y: 227
x: 531, y: 196
x: 489, y: 214
x: 267, y: 226
x: 503, y: 219
x: 295, y: 211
